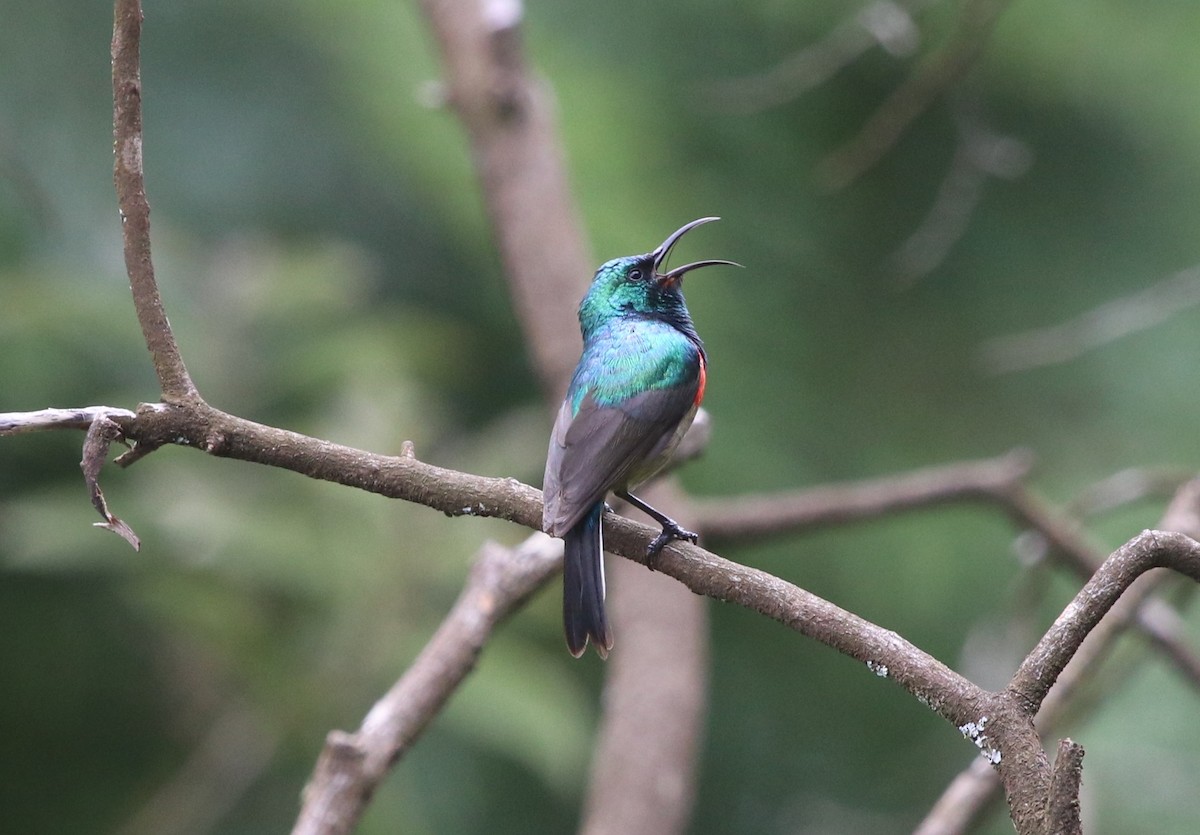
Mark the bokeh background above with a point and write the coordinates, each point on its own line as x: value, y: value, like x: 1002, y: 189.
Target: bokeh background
x: 325, y: 260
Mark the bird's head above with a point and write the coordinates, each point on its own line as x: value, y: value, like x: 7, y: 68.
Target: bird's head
x: 639, y: 285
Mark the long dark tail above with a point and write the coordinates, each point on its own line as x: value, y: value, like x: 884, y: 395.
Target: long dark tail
x: 583, y: 585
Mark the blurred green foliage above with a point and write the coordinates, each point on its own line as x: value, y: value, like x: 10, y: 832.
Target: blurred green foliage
x: 325, y: 260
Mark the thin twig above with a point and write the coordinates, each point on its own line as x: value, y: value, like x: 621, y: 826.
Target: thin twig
x: 1063, y: 806
x: 1061, y: 534
x: 1130, y: 485
x: 882, y: 23
x: 172, y: 374
x: 752, y: 517
x: 913, y: 97
x: 15, y: 423
x: 1144, y: 309
x: 980, y: 155
x: 100, y: 435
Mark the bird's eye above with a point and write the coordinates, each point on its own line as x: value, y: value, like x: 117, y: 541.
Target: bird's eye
x: 635, y: 274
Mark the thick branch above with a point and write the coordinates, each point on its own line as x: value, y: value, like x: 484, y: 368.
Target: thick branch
x: 455, y: 493
x: 509, y: 121
x: 975, y: 787
x: 173, y: 376
x: 999, y: 723
x: 352, y: 765
x: 202, y: 427
x: 217, y: 433
x: 999, y: 480
x: 655, y: 700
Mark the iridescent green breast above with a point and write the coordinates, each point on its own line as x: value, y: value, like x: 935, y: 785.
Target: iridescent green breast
x: 626, y: 357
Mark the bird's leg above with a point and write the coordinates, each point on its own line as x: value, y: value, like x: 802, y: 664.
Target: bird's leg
x: 670, y: 528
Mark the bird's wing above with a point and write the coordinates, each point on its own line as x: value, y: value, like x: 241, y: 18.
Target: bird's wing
x: 600, y: 446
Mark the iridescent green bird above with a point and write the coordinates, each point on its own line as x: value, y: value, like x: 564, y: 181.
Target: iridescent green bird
x: 634, y: 394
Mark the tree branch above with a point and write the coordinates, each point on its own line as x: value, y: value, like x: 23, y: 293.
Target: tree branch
x: 980, y: 155
x: 15, y: 423
x: 962, y: 801
x: 351, y: 766
x: 888, y: 23
x: 509, y: 122
x: 972, y: 790
x: 1062, y: 812
x: 173, y: 376
x: 1115, y: 319
x: 1150, y: 549
x: 643, y: 778
x: 908, y: 101
x: 200, y: 426
x: 217, y: 433
x: 999, y: 723
x: 752, y: 517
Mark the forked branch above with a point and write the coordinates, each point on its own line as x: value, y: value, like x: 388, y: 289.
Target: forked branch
x: 1000, y: 723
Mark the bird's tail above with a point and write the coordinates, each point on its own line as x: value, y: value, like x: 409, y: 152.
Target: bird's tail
x: 583, y: 585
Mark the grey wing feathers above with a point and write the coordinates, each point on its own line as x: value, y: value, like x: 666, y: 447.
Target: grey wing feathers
x: 599, y: 447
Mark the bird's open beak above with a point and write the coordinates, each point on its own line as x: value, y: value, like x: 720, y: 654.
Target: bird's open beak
x: 664, y: 250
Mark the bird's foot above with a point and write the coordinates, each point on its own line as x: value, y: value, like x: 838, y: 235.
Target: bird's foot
x: 670, y: 532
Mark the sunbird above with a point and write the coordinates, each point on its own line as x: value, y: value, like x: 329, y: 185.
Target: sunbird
x: 632, y: 397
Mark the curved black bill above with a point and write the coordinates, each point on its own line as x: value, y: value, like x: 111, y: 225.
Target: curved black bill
x: 677, y: 273
x: 661, y: 254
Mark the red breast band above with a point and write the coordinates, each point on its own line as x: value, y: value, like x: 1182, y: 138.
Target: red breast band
x: 703, y: 380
